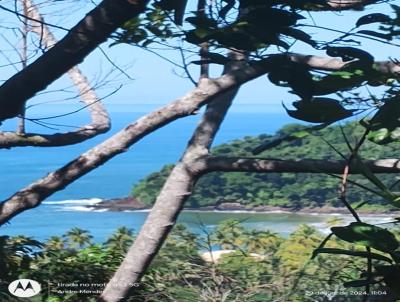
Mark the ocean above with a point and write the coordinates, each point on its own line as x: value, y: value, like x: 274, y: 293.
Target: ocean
x: 66, y: 209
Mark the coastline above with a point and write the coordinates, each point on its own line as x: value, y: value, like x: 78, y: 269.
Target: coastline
x: 132, y: 204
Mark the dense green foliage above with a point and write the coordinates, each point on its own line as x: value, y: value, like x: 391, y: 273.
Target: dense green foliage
x: 241, y: 25
x: 287, y: 190
x: 282, y: 268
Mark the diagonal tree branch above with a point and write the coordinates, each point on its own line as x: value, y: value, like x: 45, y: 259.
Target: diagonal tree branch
x: 388, y: 68
x: 261, y: 165
x: 177, y: 188
x: 349, y: 4
x: 100, y: 121
x: 180, y: 184
x: 82, y: 39
x: 93, y: 30
x: 207, y: 91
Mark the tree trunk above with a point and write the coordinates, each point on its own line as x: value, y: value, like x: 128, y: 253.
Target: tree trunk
x: 81, y: 40
x: 169, y: 203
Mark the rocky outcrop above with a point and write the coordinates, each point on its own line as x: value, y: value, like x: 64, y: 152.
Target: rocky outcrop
x: 121, y: 204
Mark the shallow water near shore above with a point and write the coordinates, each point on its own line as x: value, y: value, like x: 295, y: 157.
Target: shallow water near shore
x: 56, y: 218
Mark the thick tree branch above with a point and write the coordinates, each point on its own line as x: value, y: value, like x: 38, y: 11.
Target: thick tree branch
x: 259, y: 165
x: 177, y: 188
x: 188, y: 172
x: 100, y: 121
x: 349, y: 4
x: 82, y: 39
x: 93, y: 30
x: 388, y: 68
x: 207, y: 91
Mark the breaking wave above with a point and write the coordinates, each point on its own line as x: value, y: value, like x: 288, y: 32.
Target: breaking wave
x: 87, y: 202
x: 80, y: 205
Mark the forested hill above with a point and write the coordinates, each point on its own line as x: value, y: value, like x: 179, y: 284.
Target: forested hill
x: 280, y: 189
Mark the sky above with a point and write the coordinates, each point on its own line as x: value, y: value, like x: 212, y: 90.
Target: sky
x: 156, y: 81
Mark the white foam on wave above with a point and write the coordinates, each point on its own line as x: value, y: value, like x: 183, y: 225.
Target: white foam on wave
x: 321, y: 227
x: 89, y: 201
x: 378, y: 219
x: 80, y: 209
x: 324, y: 227
x: 323, y: 214
x: 136, y: 211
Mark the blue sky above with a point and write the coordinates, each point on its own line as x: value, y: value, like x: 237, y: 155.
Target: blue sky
x: 155, y: 80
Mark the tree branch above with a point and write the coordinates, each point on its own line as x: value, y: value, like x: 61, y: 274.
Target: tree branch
x: 207, y: 91
x: 100, y: 121
x: 179, y: 186
x: 169, y: 203
x: 259, y: 165
x: 334, y: 64
x: 93, y: 30
x: 82, y: 39
x: 339, y: 5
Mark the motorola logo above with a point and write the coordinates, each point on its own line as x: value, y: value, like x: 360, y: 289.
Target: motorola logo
x: 24, y: 288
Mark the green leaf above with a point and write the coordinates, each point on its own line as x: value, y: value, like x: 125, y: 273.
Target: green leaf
x: 396, y: 256
x: 237, y: 38
x: 278, y: 42
x: 337, y: 81
x: 201, y: 21
x: 210, y: 57
x: 216, y: 58
x: 296, y: 75
x: 367, y: 235
x: 376, y: 34
x: 201, y: 62
x: 319, y: 110
x: 359, y: 283
x: 396, y: 9
x: 391, y: 275
x: 349, y: 54
x: 178, y: 6
x: 373, y: 18
x: 301, y: 82
x: 137, y: 36
x: 271, y: 18
x: 350, y: 253
x: 298, y: 35
x: 385, y: 124
x: 198, y: 36
x: 384, y: 190
x: 383, y: 270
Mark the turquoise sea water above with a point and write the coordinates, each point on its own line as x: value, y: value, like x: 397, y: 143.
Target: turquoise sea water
x: 20, y: 166
x: 66, y: 209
